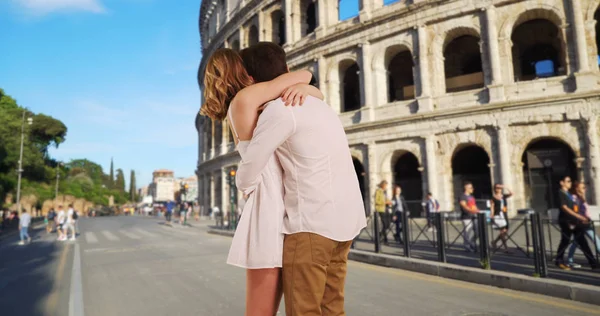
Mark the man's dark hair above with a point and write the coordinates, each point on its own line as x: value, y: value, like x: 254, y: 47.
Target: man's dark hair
x: 467, y: 183
x: 264, y: 61
x: 429, y: 194
x: 564, y: 177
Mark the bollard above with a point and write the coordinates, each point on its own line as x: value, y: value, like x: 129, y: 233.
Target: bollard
x: 543, y: 262
x: 484, y: 243
x: 406, y: 233
x: 376, y: 232
x: 535, y: 239
x: 438, y: 222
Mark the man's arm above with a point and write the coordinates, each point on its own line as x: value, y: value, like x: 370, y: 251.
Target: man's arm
x: 275, y: 125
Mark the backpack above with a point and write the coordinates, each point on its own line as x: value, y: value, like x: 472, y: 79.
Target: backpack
x: 75, y: 216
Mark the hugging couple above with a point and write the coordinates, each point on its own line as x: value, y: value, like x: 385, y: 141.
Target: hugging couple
x: 304, y: 204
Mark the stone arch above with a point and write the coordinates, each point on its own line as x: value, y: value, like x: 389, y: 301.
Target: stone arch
x: 252, y: 35
x: 399, y: 65
x: 350, y: 88
x: 278, y: 29
x: 407, y: 173
x: 309, y: 19
x: 471, y: 162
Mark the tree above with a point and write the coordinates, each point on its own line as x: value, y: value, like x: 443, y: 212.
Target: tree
x: 132, y: 187
x: 111, y: 179
x: 120, y: 181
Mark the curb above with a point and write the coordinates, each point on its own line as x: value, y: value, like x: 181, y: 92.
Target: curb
x: 512, y: 281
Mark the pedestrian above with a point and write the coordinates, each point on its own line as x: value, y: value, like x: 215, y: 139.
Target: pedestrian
x: 571, y: 224
x: 50, y: 220
x: 469, y: 209
x: 182, y: 213
x: 381, y: 207
x: 398, y: 207
x: 61, y: 219
x: 24, y: 222
x: 499, y: 215
x: 70, y: 222
x: 432, y: 206
x: 169, y: 211
x: 578, y: 195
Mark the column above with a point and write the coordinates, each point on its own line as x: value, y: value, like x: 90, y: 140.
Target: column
x: 322, y: 76
x: 211, y: 189
x: 367, y: 84
x: 431, y: 166
x: 224, y: 138
x: 326, y: 16
x: 288, y: 5
x: 212, y: 143
x: 243, y: 41
x: 492, y: 38
x: 504, y: 154
x: 593, y: 158
x: 366, y: 9
x: 373, y: 178
x: 262, y: 29
x: 579, y: 32
x: 424, y: 98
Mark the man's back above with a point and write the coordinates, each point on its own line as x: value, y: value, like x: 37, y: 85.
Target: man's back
x: 25, y: 220
x: 322, y: 194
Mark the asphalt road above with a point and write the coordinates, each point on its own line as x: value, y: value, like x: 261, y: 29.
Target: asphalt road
x: 138, y: 266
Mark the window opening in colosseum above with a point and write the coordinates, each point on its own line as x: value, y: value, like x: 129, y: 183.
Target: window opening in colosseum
x: 348, y: 9
x: 462, y: 64
x: 471, y: 163
x: 208, y: 132
x: 218, y: 134
x: 400, y: 77
x: 409, y: 178
x: 388, y: 2
x: 252, y: 35
x: 308, y: 16
x: 350, y: 86
x: 536, y: 50
x: 278, y: 27
x: 597, y: 18
x: 235, y: 45
x: 544, y: 162
x: 362, y: 177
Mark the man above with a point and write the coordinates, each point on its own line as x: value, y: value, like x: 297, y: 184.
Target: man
x: 324, y: 210
x: 60, y: 224
x: 70, y: 223
x: 399, y: 206
x: 469, y: 210
x: 51, y: 223
x: 381, y: 207
x: 24, y: 222
x: 571, y: 224
x: 169, y: 212
x: 432, y: 206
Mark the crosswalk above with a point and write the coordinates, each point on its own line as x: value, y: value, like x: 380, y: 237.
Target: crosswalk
x: 136, y: 234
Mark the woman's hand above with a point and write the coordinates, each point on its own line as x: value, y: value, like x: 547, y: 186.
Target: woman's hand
x: 296, y: 94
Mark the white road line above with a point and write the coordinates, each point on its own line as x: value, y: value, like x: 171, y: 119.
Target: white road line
x: 129, y: 234
x: 76, y: 295
x: 90, y: 238
x: 179, y: 230
x: 110, y: 236
x: 144, y: 232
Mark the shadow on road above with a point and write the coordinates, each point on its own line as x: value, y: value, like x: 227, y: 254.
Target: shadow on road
x: 28, y: 274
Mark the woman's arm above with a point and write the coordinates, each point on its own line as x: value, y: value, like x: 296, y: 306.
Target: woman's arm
x: 297, y: 93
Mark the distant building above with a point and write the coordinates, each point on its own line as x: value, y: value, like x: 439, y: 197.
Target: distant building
x: 192, y: 189
x: 162, y: 187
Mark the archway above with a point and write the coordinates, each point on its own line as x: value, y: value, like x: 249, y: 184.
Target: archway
x: 408, y: 177
x: 462, y: 64
x: 537, y: 50
x: 349, y: 71
x: 362, y: 179
x: 544, y: 162
x: 597, y: 19
x: 278, y: 27
x: 471, y: 163
x: 208, y: 135
x: 308, y: 16
x: 235, y: 45
x: 400, y: 75
x: 252, y: 35
x: 218, y: 131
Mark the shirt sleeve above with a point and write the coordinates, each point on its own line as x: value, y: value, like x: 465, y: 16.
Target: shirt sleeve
x: 275, y: 125
x: 562, y: 200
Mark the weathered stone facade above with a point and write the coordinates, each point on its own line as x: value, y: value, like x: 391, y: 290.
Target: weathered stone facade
x: 476, y: 89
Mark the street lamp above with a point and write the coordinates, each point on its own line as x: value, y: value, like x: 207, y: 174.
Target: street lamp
x: 20, y: 171
x: 57, y: 177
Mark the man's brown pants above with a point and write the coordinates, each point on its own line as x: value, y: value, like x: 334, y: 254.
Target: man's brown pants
x: 314, y: 274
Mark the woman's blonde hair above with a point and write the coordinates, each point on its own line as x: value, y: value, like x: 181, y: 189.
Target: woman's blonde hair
x: 224, y: 77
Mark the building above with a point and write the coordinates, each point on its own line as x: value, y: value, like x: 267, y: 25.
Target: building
x: 192, y: 189
x: 433, y: 92
x: 162, y: 187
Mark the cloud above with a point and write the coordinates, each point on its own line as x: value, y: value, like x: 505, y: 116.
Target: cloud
x: 43, y: 7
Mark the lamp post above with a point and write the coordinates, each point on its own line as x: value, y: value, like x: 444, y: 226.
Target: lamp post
x: 20, y: 170
x: 57, y: 178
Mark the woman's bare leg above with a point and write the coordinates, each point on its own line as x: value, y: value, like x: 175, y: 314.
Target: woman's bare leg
x: 263, y: 291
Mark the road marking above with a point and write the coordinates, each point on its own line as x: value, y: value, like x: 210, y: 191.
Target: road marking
x: 129, y: 234
x: 52, y: 300
x: 76, y: 296
x: 90, y: 238
x: 110, y: 236
x: 493, y: 291
x: 144, y: 232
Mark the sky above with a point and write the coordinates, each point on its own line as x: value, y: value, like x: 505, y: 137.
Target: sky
x: 121, y: 75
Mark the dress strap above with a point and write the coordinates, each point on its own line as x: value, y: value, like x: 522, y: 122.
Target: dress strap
x: 232, y: 125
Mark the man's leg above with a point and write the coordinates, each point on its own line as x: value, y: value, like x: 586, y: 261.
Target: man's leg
x: 467, y: 232
x: 333, y: 299
x: 22, y: 234
x: 583, y: 245
x: 306, y: 257
x: 565, y: 240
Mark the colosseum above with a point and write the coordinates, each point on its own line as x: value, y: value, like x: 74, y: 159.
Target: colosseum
x: 432, y: 92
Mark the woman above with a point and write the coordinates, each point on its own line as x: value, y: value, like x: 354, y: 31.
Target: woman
x: 258, y: 243
x: 578, y: 195
x: 398, y: 206
x: 499, y: 216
